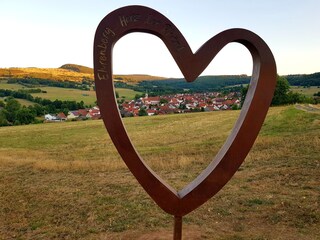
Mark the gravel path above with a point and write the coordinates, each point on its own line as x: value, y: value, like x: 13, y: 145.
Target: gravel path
x: 309, y: 108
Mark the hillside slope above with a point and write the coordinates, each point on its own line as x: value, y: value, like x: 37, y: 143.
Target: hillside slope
x: 69, y: 72
x: 66, y: 181
x: 77, y: 68
x: 59, y: 74
x: 74, y: 72
x: 304, y: 79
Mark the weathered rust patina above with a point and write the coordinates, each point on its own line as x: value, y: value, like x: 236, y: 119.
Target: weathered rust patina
x: 142, y: 19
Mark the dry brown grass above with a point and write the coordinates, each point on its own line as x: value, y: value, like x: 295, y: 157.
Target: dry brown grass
x: 45, y: 73
x: 66, y: 181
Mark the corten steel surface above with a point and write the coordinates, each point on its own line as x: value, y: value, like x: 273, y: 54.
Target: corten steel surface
x: 142, y: 19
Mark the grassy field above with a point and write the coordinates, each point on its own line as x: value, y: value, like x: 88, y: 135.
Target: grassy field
x: 126, y: 93
x: 66, y: 180
x: 23, y: 102
x: 88, y: 97
x: 309, y: 91
x: 53, y: 93
x: 14, y: 87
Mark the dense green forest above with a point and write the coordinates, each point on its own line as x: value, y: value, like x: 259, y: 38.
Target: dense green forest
x: 283, y: 95
x: 304, y: 79
x: 179, y: 85
x: 212, y: 83
x: 201, y: 84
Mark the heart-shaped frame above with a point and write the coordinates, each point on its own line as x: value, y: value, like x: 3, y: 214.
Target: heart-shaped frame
x: 142, y: 19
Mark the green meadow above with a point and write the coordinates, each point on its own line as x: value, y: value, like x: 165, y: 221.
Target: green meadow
x: 15, y: 87
x: 23, y: 102
x: 64, y: 94
x: 308, y: 91
x: 66, y: 180
x: 88, y: 97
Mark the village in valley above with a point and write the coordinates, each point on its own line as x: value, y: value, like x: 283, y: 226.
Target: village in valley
x: 159, y: 105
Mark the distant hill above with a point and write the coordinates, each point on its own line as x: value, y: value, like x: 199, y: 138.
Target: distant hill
x: 68, y: 72
x: 136, y: 78
x: 77, y: 68
x: 213, y: 83
x: 74, y: 72
x: 58, y: 74
x: 128, y: 78
x: 201, y: 84
x: 304, y: 79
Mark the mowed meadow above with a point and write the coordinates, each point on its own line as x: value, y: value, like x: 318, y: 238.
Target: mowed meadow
x: 66, y: 94
x: 66, y: 180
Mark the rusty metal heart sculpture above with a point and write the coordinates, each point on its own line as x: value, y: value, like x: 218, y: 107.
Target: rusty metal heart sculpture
x: 142, y: 19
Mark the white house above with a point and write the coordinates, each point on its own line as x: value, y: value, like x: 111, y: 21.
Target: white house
x: 50, y: 117
x: 73, y: 114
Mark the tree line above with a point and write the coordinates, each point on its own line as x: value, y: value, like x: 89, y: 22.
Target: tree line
x: 167, y: 87
x: 304, y: 79
x: 213, y: 83
x: 282, y: 94
x: 12, y: 113
x: 85, y: 84
x: 201, y: 84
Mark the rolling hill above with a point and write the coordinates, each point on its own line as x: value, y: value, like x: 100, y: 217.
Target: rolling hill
x: 77, y: 68
x: 73, y: 74
x: 66, y: 181
x: 59, y: 74
x: 304, y: 79
x: 68, y: 72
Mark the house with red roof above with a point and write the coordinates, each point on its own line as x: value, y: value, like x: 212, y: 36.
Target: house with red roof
x: 83, y: 112
x: 151, y: 100
x: 151, y: 112
x: 61, y: 116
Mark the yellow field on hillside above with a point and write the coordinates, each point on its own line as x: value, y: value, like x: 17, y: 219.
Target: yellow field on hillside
x: 45, y: 73
x: 135, y: 78
x: 61, y: 74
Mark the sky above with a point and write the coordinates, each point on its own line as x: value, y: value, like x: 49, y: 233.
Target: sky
x: 50, y: 33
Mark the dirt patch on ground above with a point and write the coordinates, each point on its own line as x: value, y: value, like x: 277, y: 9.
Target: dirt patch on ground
x: 308, y: 108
